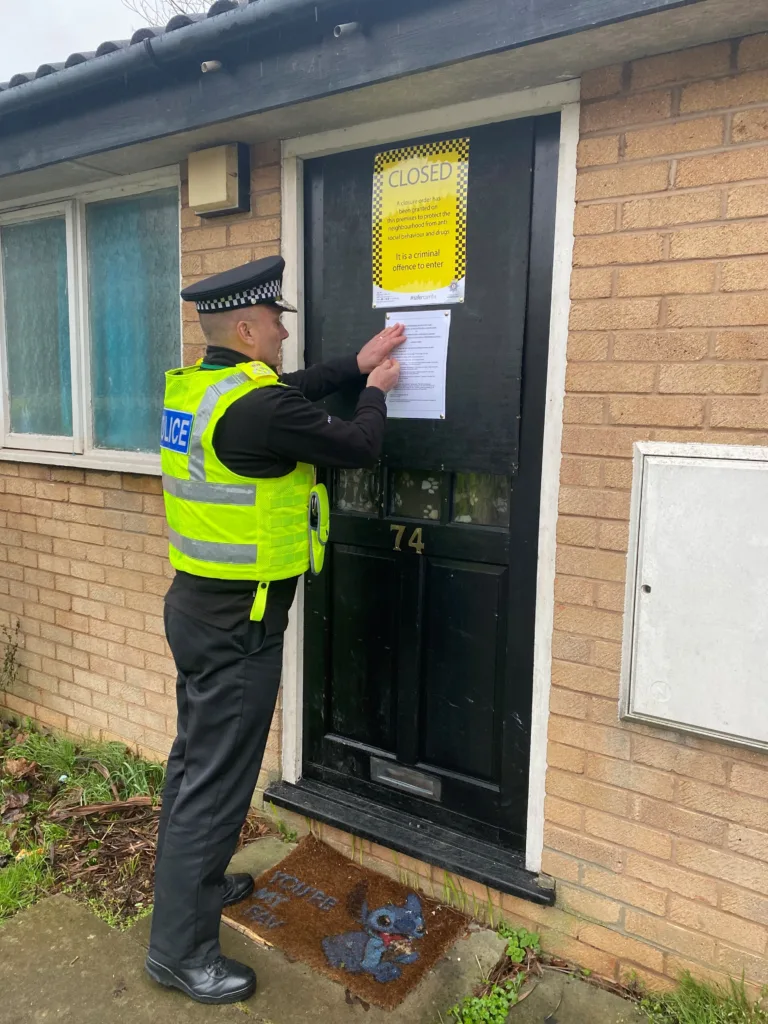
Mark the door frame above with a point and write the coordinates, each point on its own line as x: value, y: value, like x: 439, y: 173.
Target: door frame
x: 563, y: 97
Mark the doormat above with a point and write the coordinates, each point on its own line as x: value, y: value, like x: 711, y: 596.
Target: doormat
x: 374, y: 936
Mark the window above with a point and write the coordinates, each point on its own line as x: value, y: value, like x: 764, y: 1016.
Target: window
x: 89, y: 322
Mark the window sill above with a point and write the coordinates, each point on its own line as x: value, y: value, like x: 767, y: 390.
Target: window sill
x: 138, y: 463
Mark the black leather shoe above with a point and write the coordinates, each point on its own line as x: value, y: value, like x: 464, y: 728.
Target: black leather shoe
x: 236, y: 888
x: 221, y: 981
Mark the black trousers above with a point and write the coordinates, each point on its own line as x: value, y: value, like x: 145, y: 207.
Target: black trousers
x: 226, y: 692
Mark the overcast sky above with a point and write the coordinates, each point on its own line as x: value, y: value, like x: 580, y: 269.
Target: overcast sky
x: 42, y: 31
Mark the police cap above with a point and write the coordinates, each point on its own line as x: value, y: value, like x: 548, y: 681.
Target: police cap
x: 253, y: 284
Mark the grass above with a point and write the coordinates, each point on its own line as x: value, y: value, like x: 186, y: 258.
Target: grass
x: 22, y: 882
x: 92, y: 769
x: 695, y: 1002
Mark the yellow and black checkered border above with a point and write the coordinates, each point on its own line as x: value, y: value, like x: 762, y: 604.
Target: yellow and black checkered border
x: 425, y: 149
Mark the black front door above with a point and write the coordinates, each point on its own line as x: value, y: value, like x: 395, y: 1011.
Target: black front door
x: 419, y: 633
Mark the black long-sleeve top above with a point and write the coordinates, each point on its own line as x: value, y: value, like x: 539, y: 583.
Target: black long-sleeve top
x: 264, y: 434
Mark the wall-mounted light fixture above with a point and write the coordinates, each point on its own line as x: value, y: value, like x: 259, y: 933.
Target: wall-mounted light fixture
x: 220, y: 180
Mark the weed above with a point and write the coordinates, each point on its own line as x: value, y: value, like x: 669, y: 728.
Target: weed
x: 695, y: 1002
x: 22, y: 881
x: 11, y: 637
x: 520, y: 942
x: 491, y: 1008
x: 287, y: 834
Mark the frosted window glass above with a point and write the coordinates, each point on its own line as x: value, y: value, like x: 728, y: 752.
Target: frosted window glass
x: 133, y: 281
x: 37, y: 327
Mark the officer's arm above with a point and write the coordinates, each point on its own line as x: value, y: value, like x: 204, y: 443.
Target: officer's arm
x: 302, y: 432
x: 317, y: 382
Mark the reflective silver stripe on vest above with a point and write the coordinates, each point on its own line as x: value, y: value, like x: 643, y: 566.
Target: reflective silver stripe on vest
x: 203, y: 418
x: 209, y: 551
x: 209, y: 494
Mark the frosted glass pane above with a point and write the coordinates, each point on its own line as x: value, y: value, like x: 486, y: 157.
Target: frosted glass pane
x: 133, y: 281
x: 37, y: 327
x: 481, y: 498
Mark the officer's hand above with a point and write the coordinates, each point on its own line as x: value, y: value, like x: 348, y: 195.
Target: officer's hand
x: 380, y: 348
x: 385, y: 376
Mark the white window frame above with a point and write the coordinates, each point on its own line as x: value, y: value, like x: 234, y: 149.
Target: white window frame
x: 78, y: 451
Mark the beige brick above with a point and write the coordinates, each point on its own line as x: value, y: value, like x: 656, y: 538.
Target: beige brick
x: 753, y: 52
x: 595, y: 218
x: 748, y: 779
x: 623, y: 180
x: 591, y: 501
x: 744, y: 275
x: 627, y: 833
x: 568, y: 759
x: 627, y: 890
x: 666, y: 279
x: 739, y: 412
x: 741, y: 345
x: 584, y: 847
x: 718, y: 310
x: 587, y: 905
x: 747, y: 201
x: 557, y: 866
x: 722, y: 168
x: 574, y: 591
x: 590, y: 622
x: 657, y: 411
x: 601, y: 82
x: 264, y: 179
x: 592, y: 564
x: 586, y: 793
x: 560, y: 812
x: 710, y: 378
x: 225, y: 259
x: 660, y: 346
x: 587, y: 346
x: 682, y: 822
x: 623, y: 946
x: 602, y: 150
x: 671, y: 757
x: 582, y: 409
x: 737, y: 963
x: 744, y: 904
x: 639, y: 108
x: 264, y: 229
x: 591, y: 284
x: 618, y: 249
x: 695, y: 63
x: 613, y: 441
x: 614, y: 314
x: 680, y: 137
x: 585, y: 678
x: 723, y: 803
x: 670, y: 936
x: 749, y: 874
x: 577, y: 532
x: 611, y: 378
x: 630, y: 776
x: 734, y: 91
x: 598, y: 738
x: 203, y: 238
x: 607, y: 655
x: 750, y: 125
x: 748, y: 842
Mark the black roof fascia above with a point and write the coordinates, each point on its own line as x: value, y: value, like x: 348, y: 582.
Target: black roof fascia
x: 287, y: 55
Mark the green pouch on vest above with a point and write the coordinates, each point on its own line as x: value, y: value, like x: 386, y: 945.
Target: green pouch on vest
x: 319, y: 526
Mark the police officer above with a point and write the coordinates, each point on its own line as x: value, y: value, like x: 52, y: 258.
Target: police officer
x: 238, y: 447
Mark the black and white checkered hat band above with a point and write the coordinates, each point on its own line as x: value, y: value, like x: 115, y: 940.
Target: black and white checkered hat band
x: 269, y: 292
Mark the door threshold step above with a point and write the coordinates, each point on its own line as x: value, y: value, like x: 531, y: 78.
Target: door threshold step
x: 480, y: 861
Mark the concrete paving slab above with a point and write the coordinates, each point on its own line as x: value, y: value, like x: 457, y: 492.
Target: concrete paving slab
x: 60, y: 963
x: 559, y: 999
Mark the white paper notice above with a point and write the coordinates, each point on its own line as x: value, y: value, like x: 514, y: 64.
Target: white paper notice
x: 420, y: 394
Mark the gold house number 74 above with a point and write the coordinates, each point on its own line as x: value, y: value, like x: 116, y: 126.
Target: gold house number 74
x: 416, y: 542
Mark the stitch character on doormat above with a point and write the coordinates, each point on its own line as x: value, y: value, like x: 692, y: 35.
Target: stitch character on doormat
x: 385, y: 941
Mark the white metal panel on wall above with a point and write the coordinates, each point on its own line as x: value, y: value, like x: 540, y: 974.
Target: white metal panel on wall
x: 696, y: 626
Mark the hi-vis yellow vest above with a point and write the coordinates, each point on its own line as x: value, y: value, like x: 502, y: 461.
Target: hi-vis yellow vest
x: 222, y: 525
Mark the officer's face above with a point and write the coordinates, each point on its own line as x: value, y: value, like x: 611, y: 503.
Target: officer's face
x: 264, y: 333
